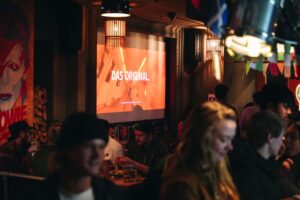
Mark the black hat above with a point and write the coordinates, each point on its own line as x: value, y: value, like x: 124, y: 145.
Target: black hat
x: 276, y: 93
x: 16, y: 128
x: 81, y: 127
x: 144, y: 126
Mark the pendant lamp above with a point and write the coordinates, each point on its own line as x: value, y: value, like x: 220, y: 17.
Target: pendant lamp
x: 115, y: 8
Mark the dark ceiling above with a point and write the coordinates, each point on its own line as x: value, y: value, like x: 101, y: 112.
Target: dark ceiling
x: 160, y: 11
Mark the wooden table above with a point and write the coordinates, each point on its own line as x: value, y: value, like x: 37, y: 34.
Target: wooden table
x: 121, y: 183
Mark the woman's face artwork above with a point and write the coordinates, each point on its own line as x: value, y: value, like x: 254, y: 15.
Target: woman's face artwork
x: 12, y: 69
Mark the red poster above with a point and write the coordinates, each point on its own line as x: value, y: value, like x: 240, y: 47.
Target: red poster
x: 16, y: 64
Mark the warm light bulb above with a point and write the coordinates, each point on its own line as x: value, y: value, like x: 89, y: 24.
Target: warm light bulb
x: 115, y: 15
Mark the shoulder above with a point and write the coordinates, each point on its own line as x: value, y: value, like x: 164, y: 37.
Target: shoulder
x: 105, y: 189
x: 157, y: 144
x: 181, y: 186
x: 114, y: 142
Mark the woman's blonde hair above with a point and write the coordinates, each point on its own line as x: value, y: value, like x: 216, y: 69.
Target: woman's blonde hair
x: 195, y: 153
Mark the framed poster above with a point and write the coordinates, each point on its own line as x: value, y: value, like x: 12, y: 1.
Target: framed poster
x: 16, y: 64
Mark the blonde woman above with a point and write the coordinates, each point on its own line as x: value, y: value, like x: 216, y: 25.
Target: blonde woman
x: 198, y: 169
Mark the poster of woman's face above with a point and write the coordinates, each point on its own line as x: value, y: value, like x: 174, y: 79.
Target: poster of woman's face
x: 14, y: 39
x: 12, y: 70
x: 14, y: 65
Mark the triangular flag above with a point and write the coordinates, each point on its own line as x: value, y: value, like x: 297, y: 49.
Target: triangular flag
x: 247, y: 67
x: 280, y: 66
x: 215, y: 14
x: 293, y: 69
x: 297, y: 61
x: 273, y: 68
x: 265, y: 67
x: 253, y: 65
x: 287, y: 60
x: 259, y: 65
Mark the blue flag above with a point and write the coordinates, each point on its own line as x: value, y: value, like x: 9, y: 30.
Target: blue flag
x: 214, y: 13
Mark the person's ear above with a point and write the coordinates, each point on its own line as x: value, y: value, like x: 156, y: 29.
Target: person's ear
x: 269, y: 138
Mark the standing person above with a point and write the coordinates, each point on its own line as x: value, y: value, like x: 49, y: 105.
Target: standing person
x: 221, y: 93
x: 279, y: 99
x: 290, y: 162
x: 79, y: 156
x: 198, y: 168
x: 14, y: 156
x: 257, y: 176
x: 251, y: 109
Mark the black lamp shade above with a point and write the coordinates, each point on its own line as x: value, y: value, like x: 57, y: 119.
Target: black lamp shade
x: 115, y: 8
x: 255, y: 17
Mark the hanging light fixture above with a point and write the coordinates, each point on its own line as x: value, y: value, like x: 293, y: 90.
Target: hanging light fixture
x: 115, y: 8
x: 115, y: 33
x: 253, y: 23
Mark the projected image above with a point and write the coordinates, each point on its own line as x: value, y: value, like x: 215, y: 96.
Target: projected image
x: 131, y: 82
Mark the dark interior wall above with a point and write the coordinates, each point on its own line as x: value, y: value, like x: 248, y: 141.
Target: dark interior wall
x: 45, y: 36
x: 203, y: 82
x: 58, y: 29
x: 202, y: 79
x: 241, y: 85
x: 43, y: 61
x: 171, y: 77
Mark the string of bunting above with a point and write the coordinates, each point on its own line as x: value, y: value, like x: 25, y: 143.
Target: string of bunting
x: 297, y: 61
x: 290, y: 67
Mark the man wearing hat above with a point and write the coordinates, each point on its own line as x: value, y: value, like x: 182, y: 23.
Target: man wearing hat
x: 78, y: 158
x: 146, y: 151
x: 14, y: 156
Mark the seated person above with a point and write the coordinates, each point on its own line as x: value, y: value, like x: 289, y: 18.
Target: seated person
x: 113, y: 148
x: 14, y: 156
x: 257, y: 175
x: 145, y: 151
x: 42, y: 162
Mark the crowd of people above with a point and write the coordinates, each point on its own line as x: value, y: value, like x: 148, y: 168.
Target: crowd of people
x: 216, y: 155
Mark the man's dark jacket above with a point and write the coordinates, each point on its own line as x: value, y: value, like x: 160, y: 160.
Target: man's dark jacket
x: 256, y: 178
x: 103, y: 189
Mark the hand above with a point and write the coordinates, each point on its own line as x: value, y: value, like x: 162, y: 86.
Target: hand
x: 297, y: 196
x: 124, y: 159
x: 287, y: 164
